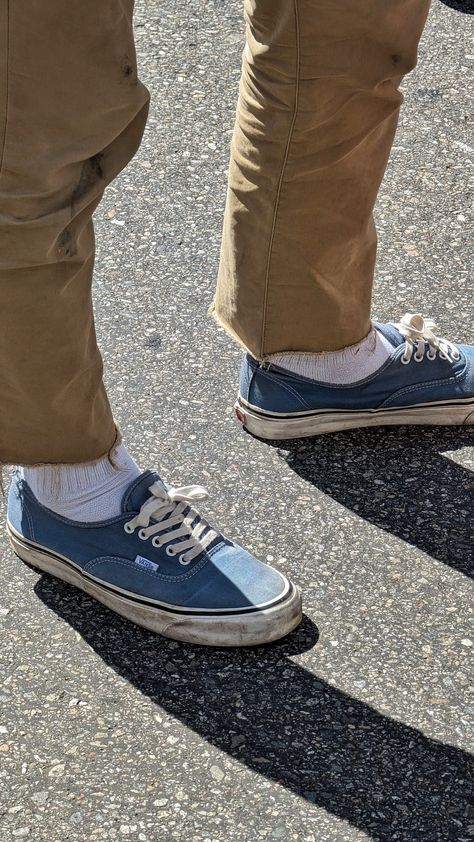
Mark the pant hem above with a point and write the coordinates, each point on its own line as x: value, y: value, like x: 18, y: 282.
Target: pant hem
x: 229, y: 330
x: 267, y: 357
x: 110, y: 454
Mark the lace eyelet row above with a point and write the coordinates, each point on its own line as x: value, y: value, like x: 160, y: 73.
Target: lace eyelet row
x: 157, y: 543
x: 406, y: 360
x: 170, y: 551
x: 421, y: 335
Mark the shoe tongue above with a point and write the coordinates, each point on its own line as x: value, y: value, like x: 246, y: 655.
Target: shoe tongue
x: 139, y: 491
x: 391, y: 333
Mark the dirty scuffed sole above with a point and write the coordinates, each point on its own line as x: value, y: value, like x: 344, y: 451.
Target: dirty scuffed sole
x: 250, y: 629
x: 279, y: 426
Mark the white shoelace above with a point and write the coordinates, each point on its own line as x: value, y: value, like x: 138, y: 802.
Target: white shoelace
x: 167, y: 507
x: 421, y: 333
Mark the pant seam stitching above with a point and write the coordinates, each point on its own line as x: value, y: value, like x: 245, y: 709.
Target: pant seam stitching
x: 7, y: 89
x: 282, y: 175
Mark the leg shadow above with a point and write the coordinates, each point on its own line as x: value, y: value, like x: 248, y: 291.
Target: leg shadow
x: 466, y: 6
x: 399, y: 480
x: 281, y: 721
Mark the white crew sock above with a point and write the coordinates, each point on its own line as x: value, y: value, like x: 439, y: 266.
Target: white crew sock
x: 84, y: 492
x: 340, y: 367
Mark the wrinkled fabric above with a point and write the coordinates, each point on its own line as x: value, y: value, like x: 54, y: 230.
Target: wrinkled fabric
x: 316, y: 117
x: 317, y: 112
x: 72, y: 113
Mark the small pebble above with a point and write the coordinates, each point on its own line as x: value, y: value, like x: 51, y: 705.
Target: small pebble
x: 56, y: 771
x: 40, y: 797
x: 217, y: 773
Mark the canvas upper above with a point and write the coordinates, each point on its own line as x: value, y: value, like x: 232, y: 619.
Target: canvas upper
x: 220, y: 577
x: 425, y: 378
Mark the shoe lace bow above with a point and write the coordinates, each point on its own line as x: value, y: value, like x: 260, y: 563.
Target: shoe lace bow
x: 420, y: 334
x: 169, y: 516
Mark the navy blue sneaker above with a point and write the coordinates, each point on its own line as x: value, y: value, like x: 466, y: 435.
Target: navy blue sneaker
x: 159, y: 564
x: 426, y: 380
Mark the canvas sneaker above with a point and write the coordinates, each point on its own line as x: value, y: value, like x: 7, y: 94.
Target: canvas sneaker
x: 426, y: 380
x: 159, y: 564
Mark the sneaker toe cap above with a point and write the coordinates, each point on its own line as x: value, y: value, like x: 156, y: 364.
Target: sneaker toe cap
x: 234, y: 579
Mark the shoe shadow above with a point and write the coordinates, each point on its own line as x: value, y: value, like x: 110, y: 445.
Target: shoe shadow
x: 399, y: 480
x: 279, y: 720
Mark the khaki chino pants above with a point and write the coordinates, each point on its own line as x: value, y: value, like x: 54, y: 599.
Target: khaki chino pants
x: 316, y: 116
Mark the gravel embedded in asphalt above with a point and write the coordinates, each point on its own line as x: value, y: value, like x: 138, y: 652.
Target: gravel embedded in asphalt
x: 356, y: 727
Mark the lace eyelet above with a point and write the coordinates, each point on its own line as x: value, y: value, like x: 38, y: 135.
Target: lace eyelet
x: 184, y: 561
x: 128, y: 529
x: 142, y: 535
x: 457, y: 357
x: 156, y: 542
x: 404, y: 360
x: 169, y: 551
x: 418, y: 359
x: 431, y: 356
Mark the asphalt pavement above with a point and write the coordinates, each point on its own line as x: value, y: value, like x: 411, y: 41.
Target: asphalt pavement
x: 356, y: 727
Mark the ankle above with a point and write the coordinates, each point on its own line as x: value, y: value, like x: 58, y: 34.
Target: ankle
x: 343, y: 367
x: 85, y: 492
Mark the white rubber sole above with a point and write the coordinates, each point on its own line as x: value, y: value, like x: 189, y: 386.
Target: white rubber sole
x: 245, y: 629
x: 267, y: 425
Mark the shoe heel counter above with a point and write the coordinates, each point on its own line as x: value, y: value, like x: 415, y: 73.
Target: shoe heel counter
x: 17, y: 509
x: 274, y: 391
x: 247, y: 372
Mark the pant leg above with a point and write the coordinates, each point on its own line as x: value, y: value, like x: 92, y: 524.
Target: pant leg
x: 72, y: 114
x: 316, y: 118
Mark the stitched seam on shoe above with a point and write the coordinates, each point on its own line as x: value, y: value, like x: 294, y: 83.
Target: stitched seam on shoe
x: 217, y: 547
x: 287, y: 388
x: 427, y: 385
x: 135, y: 485
x: 253, y: 366
x: 91, y: 565
x: 30, y: 523
x: 7, y: 88
x: 282, y: 176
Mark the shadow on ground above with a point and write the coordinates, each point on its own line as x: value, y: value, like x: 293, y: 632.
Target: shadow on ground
x: 279, y: 720
x: 399, y: 480
x: 466, y: 6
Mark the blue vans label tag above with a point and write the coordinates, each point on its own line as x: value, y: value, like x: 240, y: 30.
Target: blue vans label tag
x: 145, y: 562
